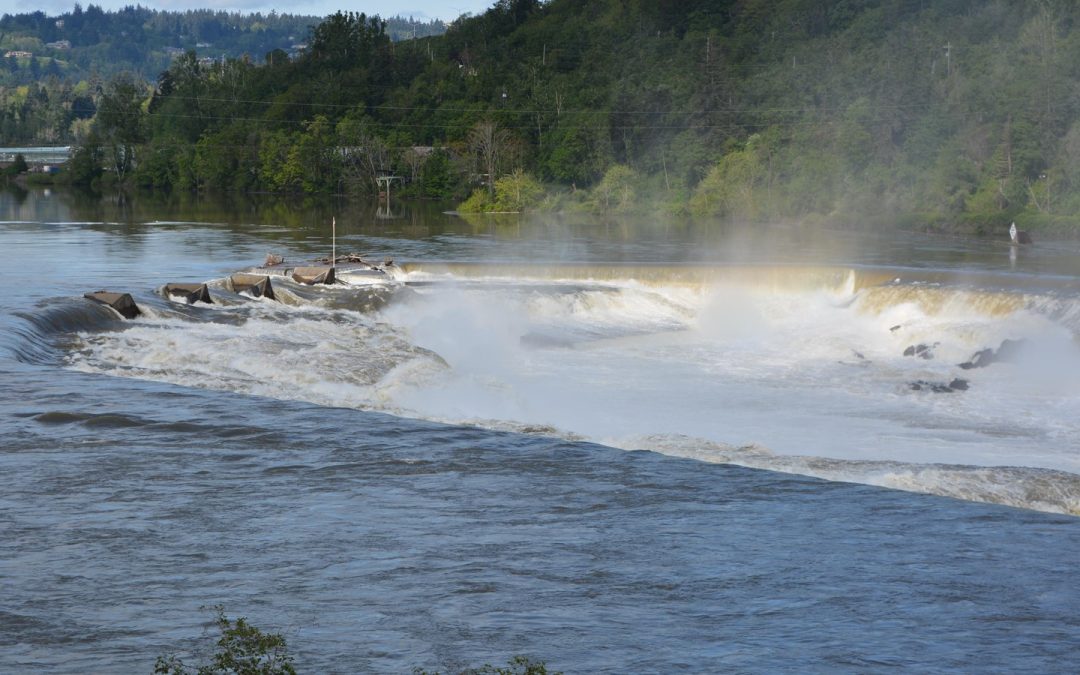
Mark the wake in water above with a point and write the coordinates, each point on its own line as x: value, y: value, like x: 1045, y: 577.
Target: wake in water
x: 853, y: 375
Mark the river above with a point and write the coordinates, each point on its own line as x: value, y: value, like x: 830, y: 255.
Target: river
x: 613, y: 446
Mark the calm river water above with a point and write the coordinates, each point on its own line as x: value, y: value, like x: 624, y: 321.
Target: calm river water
x: 648, y: 448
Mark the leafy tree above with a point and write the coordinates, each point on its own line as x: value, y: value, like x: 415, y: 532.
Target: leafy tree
x: 17, y: 166
x: 82, y: 107
x: 732, y: 188
x: 243, y: 649
x: 517, y: 192
x: 348, y: 39
x: 119, y: 122
x: 274, y: 171
x: 365, y: 155
x: 313, y: 160
x: 85, y: 165
x: 490, y: 146
x: 479, y: 201
x: 576, y: 153
x: 437, y: 179
x: 616, y: 191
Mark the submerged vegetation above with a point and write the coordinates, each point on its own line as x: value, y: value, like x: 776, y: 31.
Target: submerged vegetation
x: 932, y: 112
x: 244, y: 649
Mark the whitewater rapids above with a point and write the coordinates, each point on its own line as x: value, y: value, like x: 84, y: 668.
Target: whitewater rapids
x: 795, y: 369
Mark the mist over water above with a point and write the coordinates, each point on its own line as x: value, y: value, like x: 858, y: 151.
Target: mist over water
x: 792, y: 362
x: 444, y: 462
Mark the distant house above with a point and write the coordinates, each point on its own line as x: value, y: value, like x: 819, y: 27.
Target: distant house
x: 174, y: 51
x: 60, y: 24
x: 59, y: 44
x: 15, y: 54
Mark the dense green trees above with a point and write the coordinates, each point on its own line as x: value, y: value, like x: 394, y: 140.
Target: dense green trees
x: 138, y: 39
x: 52, y: 56
x: 958, y: 110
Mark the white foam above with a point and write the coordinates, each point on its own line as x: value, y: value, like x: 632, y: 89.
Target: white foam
x: 815, y: 372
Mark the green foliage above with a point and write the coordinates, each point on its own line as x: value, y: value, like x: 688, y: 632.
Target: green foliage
x: 617, y: 190
x: 17, y: 166
x: 139, y: 39
x: 514, y: 193
x: 480, y: 201
x: 347, y: 39
x: 85, y: 165
x: 517, y: 192
x: 120, y: 123
x: 519, y: 665
x: 780, y: 109
x: 734, y: 187
x: 437, y: 180
x: 243, y: 649
x: 575, y: 153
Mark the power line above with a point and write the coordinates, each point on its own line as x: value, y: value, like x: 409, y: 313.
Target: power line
x: 548, y: 111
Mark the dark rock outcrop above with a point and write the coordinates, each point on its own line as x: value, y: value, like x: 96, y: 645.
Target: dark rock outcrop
x: 939, y: 387
x: 923, y: 351
x: 1007, y: 352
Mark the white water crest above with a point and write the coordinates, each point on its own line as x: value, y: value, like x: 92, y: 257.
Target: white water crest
x: 791, y: 369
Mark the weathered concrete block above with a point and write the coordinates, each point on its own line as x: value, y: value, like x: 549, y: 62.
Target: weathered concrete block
x: 189, y: 293
x: 313, y: 275
x: 121, y: 302
x: 256, y: 285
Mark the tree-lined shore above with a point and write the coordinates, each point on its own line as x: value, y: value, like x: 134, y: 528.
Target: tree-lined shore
x: 943, y: 113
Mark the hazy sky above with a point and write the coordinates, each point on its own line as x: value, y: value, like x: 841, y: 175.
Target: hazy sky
x: 420, y: 9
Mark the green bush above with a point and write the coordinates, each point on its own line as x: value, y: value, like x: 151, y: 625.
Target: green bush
x: 519, y: 665
x: 243, y: 649
x: 18, y: 166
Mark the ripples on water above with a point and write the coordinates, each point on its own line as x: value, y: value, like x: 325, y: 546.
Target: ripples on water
x: 378, y: 543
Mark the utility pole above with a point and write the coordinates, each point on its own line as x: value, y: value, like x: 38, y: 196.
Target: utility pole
x: 948, y: 59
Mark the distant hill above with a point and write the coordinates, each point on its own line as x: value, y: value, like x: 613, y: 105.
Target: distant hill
x: 91, y: 42
x: 53, y: 68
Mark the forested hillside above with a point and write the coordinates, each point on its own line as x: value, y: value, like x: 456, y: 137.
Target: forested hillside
x: 943, y: 111
x: 51, y: 67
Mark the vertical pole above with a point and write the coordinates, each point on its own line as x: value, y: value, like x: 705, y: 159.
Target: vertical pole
x: 333, y: 239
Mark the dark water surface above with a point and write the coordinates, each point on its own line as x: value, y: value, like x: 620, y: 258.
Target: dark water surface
x: 378, y: 543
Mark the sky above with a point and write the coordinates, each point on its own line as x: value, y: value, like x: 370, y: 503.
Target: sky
x: 447, y: 10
